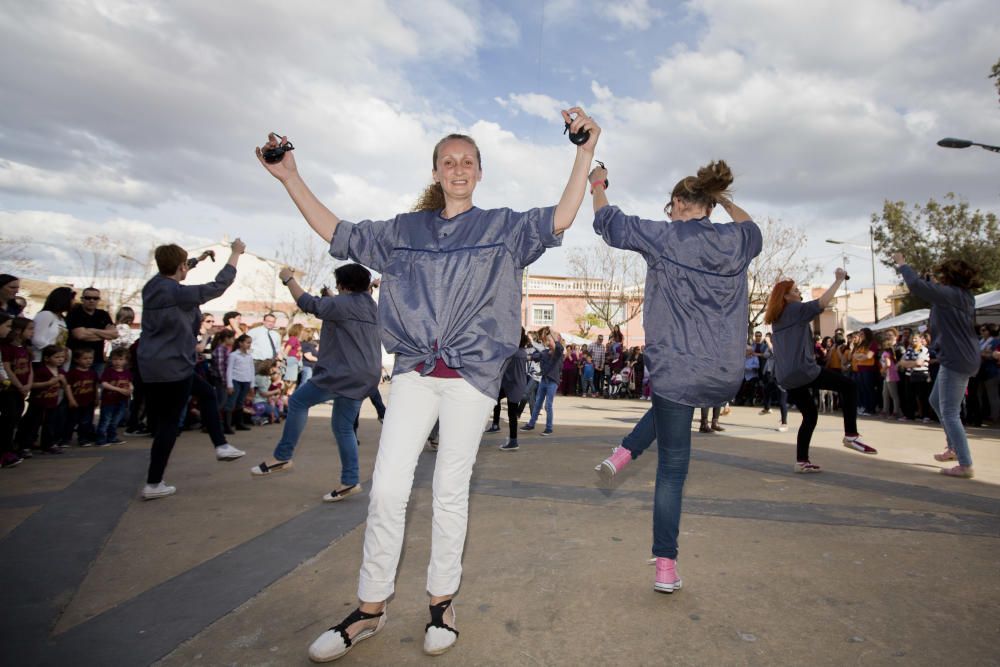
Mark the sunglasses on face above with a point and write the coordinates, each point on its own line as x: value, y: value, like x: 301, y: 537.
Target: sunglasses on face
x: 91, y: 298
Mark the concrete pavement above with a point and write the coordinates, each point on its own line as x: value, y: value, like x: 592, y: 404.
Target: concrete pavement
x: 877, y: 560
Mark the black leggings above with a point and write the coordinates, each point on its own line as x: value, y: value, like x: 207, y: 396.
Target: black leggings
x: 513, y: 413
x: 164, y: 402
x: 803, y: 398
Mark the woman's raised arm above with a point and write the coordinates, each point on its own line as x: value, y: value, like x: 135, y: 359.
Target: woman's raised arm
x: 319, y: 217
x: 576, y: 187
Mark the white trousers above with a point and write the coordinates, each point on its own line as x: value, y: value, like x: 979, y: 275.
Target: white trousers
x: 415, y: 403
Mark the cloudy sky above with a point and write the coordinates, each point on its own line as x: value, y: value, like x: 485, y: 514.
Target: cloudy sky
x: 139, y: 119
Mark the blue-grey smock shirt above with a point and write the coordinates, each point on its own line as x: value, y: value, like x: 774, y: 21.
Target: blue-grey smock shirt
x: 695, y: 309
x: 953, y: 314
x: 795, y: 363
x: 170, y: 322
x: 350, y: 359
x: 451, y: 289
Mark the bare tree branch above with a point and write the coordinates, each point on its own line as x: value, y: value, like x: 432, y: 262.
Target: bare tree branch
x: 610, y: 281
x: 783, y: 256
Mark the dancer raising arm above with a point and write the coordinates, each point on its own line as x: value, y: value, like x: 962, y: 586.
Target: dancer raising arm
x: 953, y: 311
x: 449, y: 309
x: 695, y: 318
x: 796, y: 370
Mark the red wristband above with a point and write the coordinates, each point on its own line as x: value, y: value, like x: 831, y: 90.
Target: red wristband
x: 602, y: 182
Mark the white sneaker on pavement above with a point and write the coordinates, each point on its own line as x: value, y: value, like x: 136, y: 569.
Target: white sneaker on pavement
x: 161, y: 490
x: 227, y: 452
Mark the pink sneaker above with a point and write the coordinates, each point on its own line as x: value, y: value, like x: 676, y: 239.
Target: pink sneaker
x: 614, y: 464
x: 854, y: 442
x: 946, y: 455
x: 965, y: 472
x: 667, y: 579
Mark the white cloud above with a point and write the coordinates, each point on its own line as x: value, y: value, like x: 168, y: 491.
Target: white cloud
x: 631, y: 14
x: 534, y: 104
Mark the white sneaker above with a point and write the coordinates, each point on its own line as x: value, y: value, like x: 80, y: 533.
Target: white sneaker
x: 782, y: 428
x: 161, y: 490
x: 227, y: 452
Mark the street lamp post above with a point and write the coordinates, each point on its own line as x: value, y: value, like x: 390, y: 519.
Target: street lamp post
x: 871, y: 249
x: 950, y: 142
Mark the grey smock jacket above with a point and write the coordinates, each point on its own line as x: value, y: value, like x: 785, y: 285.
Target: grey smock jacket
x: 350, y: 359
x: 550, y: 361
x: 695, y: 309
x: 451, y: 289
x: 953, y: 312
x: 170, y: 322
x: 515, y: 377
x: 795, y: 362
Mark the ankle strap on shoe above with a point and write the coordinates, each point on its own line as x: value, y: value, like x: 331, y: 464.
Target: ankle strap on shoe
x: 352, y: 618
x: 437, y: 617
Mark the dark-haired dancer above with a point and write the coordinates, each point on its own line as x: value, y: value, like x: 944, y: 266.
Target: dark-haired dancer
x: 171, y: 322
x: 796, y: 370
x: 450, y: 311
x: 349, y: 366
x: 952, y: 314
x: 695, y: 314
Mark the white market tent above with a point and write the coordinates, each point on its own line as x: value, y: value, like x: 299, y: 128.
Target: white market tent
x: 987, y: 310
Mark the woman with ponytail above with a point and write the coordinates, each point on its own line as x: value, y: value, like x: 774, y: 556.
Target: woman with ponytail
x: 796, y: 370
x: 695, y: 316
x: 449, y: 310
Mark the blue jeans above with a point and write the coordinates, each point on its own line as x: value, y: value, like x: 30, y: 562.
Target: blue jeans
x: 345, y: 411
x: 642, y: 435
x: 946, y: 399
x: 107, y: 427
x: 673, y: 428
x: 235, y: 400
x: 306, y: 374
x: 547, y: 393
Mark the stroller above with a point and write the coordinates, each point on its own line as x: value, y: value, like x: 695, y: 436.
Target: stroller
x: 620, y: 384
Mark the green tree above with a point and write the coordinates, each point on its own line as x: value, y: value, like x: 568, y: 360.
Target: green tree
x: 929, y: 234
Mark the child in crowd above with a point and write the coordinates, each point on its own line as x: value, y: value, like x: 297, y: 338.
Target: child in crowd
x: 83, y: 381
x: 48, y: 388
x: 239, y: 375
x: 890, y: 377
x: 116, y: 389
x: 263, y: 392
x: 293, y: 357
x: 222, y: 346
x: 278, y: 399
x: 16, y: 363
x: 8, y: 458
x: 588, y: 377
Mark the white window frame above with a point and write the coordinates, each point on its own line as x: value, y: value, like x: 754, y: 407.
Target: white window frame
x: 535, y: 321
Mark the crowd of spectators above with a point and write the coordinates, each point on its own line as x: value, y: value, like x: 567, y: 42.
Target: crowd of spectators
x: 893, y: 371
x: 70, y: 373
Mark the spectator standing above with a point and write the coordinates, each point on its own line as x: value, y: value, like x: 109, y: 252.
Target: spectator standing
x: 8, y: 456
x: 166, y: 356
x: 310, y: 354
x: 9, y: 286
x: 48, y: 389
x: 916, y: 367
x: 292, y: 351
x: 239, y: 377
x: 222, y: 346
x: 989, y: 374
x: 50, y: 323
x: 17, y: 366
x: 232, y: 321
x: 90, y: 327
x: 83, y: 382
x: 890, y: 377
x: 266, y: 341
x: 124, y: 319
x: 116, y: 390
x: 952, y: 314
x: 597, y: 354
